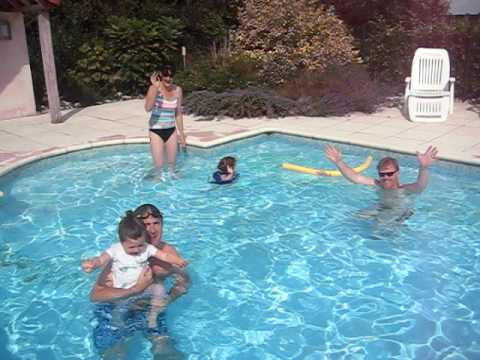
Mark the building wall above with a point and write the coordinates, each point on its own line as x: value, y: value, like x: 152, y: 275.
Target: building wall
x: 464, y: 7
x: 16, y: 88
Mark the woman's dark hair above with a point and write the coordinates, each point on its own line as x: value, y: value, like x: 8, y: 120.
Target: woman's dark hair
x: 131, y: 227
x: 167, y: 70
x: 145, y: 210
x: 225, y: 162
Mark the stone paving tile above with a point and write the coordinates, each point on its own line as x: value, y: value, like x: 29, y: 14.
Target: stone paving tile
x: 475, y: 150
x: 100, y: 124
x: 14, y: 143
x: 227, y: 128
x: 383, y: 131
x: 435, y: 127
x: 369, y: 138
x: 465, y: 131
x: 28, y: 120
x: 29, y: 131
x: 456, y: 142
x: 393, y: 142
x: 423, y: 134
x: 369, y: 120
x: 209, y: 138
x: 113, y: 114
x: 55, y: 139
x: 247, y: 123
x: 232, y: 132
x: 314, y: 126
x: 353, y: 126
x: 201, y: 133
x: 331, y: 133
x: 134, y: 120
x: 464, y: 120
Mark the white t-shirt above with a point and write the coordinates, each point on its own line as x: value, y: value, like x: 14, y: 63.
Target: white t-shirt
x: 127, y: 268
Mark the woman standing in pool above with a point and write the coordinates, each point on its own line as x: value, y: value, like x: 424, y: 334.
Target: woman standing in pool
x: 164, y: 100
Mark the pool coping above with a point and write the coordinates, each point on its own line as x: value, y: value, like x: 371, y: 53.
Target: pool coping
x: 221, y: 141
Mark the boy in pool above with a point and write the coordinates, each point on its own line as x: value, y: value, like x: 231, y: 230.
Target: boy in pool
x: 225, y: 173
x: 130, y: 256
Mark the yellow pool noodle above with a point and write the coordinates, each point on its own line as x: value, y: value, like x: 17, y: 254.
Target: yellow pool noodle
x: 312, y: 171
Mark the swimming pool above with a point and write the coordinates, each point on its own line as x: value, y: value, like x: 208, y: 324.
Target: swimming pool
x: 282, y: 265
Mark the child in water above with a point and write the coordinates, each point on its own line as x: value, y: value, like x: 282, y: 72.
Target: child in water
x: 130, y: 256
x: 226, y: 171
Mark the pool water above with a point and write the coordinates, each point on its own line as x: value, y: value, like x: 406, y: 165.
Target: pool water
x: 284, y: 265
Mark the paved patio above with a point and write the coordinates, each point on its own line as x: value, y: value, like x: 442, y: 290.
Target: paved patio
x: 23, y: 140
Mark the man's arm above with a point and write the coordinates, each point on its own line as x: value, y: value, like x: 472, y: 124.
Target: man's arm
x: 335, y: 157
x: 103, y: 292
x: 182, y: 279
x: 425, y: 160
x: 180, y: 286
x: 170, y: 257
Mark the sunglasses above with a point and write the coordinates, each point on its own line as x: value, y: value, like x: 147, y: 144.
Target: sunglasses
x: 387, y: 173
x: 154, y: 214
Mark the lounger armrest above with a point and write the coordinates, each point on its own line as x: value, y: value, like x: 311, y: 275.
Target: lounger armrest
x: 407, y: 87
x: 452, y: 94
x: 452, y: 85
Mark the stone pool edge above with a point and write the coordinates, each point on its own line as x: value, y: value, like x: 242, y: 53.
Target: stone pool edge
x: 221, y: 141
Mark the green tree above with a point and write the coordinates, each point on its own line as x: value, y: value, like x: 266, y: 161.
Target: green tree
x: 128, y: 50
x: 388, y: 33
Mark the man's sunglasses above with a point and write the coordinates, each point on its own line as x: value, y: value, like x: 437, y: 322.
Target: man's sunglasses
x: 387, y: 173
x: 148, y: 214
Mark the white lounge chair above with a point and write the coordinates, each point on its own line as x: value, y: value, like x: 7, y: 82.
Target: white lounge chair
x: 429, y: 92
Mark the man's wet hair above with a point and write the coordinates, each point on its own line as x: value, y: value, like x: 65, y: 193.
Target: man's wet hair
x: 145, y: 210
x: 388, y: 161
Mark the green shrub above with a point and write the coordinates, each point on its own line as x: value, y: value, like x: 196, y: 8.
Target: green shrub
x: 240, y: 103
x: 94, y: 71
x: 122, y: 59
x: 290, y: 36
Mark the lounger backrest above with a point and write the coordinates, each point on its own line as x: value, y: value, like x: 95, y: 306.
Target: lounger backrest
x: 430, y: 69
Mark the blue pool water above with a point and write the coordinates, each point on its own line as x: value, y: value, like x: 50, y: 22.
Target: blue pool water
x: 284, y: 265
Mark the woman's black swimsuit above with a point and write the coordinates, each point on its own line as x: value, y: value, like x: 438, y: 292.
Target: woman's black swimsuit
x: 164, y: 133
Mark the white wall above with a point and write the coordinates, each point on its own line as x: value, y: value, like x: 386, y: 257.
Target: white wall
x: 464, y: 7
x: 16, y: 89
